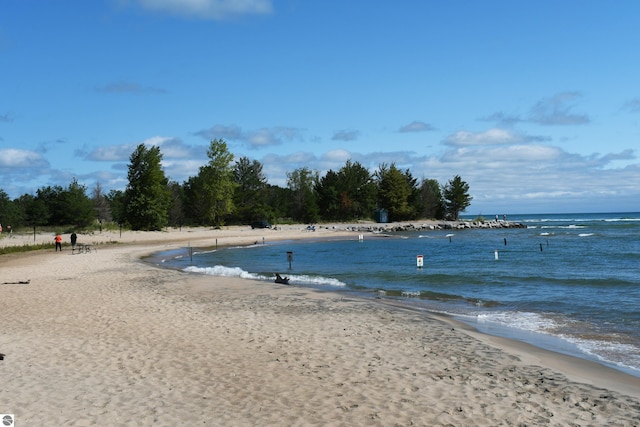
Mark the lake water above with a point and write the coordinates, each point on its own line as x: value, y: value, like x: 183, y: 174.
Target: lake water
x: 567, y: 282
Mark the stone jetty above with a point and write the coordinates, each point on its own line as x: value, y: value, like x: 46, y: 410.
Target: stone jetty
x: 432, y: 225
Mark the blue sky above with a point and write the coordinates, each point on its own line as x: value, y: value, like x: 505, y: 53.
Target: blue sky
x: 535, y: 104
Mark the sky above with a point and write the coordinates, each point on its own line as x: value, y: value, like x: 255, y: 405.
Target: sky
x: 535, y: 104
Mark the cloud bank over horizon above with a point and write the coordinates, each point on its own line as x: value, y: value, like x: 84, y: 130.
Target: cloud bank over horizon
x: 297, y: 85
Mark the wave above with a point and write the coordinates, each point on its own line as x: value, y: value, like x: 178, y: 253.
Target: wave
x: 630, y: 218
x: 527, y: 321
x: 302, y: 279
x: 621, y: 355
x: 222, y: 271
x: 544, y: 333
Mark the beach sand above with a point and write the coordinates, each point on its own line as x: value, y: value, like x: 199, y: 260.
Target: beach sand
x: 105, y: 339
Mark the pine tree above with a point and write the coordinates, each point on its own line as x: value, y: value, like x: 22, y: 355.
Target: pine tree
x: 456, y: 197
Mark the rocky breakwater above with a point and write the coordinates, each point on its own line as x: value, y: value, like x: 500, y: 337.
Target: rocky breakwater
x: 434, y: 225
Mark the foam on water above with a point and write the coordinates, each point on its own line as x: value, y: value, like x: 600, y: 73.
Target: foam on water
x: 222, y: 271
x: 315, y: 280
x: 539, y: 330
x: 533, y: 322
x: 619, y: 355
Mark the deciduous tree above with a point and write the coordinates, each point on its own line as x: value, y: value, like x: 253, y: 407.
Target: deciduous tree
x: 146, y: 196
x: 209, y: 195
x: 249, y: 196
x: 301, y: 182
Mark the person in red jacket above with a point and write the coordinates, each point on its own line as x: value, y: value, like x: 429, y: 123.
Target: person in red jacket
x: 58, y: 240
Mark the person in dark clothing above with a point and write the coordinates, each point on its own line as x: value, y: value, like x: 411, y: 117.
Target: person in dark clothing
x: 74, y: 240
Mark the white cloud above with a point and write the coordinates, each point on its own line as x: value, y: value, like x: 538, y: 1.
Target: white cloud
x: 557, y: 110
x: 337, y: 156
x: 495, y: 136
x: 553, y: 111
x: 111, y: 153
x: 180, y: 170
x: 173, y: 147
x: 208, y: 9
x: 231, y: 132
x: 256, y: 139
x: 512, y: 154
x: 345, y: 135
x: 170, y: 148
x: 271, y: 136
x: 416, y: 126
x: 12, y: 158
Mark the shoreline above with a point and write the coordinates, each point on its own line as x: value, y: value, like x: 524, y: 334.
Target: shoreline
x: 107, y: 338
x: 552, y: 343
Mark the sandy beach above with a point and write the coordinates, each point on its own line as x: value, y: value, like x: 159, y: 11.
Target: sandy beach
x: 103, y: 339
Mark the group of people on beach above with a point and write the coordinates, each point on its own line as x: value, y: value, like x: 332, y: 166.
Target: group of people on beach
x: 58, y: 240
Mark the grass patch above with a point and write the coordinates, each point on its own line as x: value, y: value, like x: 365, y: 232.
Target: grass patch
x: 25, y: 248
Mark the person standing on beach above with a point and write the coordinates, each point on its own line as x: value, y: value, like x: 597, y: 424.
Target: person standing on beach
x: 74, y: 239
x: 58, y: 240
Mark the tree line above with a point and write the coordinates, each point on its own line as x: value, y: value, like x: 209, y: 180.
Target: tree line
x: 225, y: 191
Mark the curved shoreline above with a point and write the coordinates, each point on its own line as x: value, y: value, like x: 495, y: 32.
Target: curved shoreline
x: 554, y: 344
x: 104, y: 338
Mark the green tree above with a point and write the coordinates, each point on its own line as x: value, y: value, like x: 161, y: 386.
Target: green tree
x: 249, y: 196
x: 116, y: 206
x: 146, y: 198
x: 196, y: 203
x: 304, y: 205
x: 430, y: 200
x: 347, y: 194
x: 358, y: 192
x: 10, y: 213
x: 395, y: 192
x: 328, y: 192
x: 279, y: 202
x: 78, y: 208
x: 456, y: 197
x: 210, y: 194
x: 52, y: 206
x: 34, y: 209
x: 176, y: 213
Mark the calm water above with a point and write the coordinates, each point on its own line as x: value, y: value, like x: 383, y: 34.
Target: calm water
x: 568, y: 282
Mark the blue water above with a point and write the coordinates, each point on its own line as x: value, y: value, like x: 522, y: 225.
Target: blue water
x: 567, y: 282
